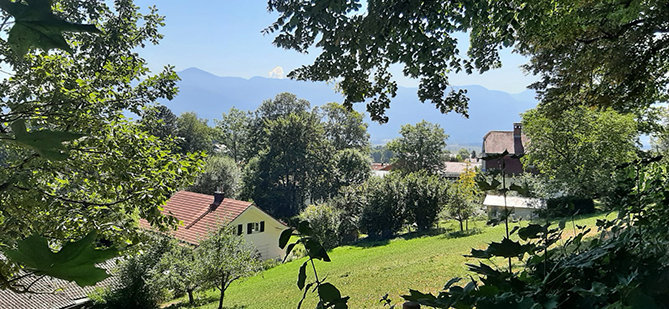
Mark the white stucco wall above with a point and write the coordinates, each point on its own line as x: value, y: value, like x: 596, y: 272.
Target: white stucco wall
x: 267, y: 242
x: 516, y: 212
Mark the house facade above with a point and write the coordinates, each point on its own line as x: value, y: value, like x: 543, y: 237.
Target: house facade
x: 519, y: 207
x: 202, y: 214
x: 496, y: 142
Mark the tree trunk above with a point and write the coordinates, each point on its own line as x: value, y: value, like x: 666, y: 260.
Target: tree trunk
x: 190, y: 297
x: 461, y: 228
x: 467, y: 225
x: 220, y: 300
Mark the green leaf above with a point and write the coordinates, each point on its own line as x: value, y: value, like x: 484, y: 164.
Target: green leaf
x: 74, y: 262
x: 531, y: 231
x: 451, y: 282
x: 288, y: 250
x: 285, y: 237
x: 315, y: 250
x: 302, y: 276
x: 35, y: 25
x: 521, y: 190
x: 304, y: 228
x: 46, y: 143
x: 328, y: 292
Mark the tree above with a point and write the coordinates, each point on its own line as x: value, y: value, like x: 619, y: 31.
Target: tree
x: 351, y: 167
x: 384, y: 212
x: 381, y: 154
x: 221, y: 173
x: 194, y: 134
x: 159, y: 121
x: 473, y: 154
x: 421, y: 147
x: 578, y: 152
x: 291, y: 167
x: 424, y: 198
x: 234, y: 130
x: 223, y: 258
x: 72, y: 163
x: 344, y: 128
x: 177, y: 270
x: 464, y: 153
x: 586, y: 53
x: 463, y: 196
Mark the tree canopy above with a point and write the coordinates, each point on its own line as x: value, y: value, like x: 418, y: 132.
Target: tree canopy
x: 72, y: 163
x: 421, y: 147
x: 578, y: 151
x: 610, y: 53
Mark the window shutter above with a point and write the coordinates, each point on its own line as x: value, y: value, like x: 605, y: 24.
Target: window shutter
x: 240, y: 229
x: 262, y: 226
x: 249, y: 228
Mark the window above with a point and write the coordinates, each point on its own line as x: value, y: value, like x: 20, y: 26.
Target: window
x: 253, y: 227
x: 240, y: 229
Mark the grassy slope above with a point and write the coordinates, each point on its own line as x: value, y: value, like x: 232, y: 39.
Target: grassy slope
x: 370, y: 270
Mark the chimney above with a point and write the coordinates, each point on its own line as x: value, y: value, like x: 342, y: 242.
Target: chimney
x: 517, y: 139
x: 218, y: 198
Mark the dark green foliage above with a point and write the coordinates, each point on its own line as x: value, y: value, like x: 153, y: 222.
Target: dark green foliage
x: 351, y: 167
x: 344, y: 128
x: 420, y: 148
x: 194, y: 134
x: 381, y: 154
x: 159, y: 121
x: 569, y: 206
x: 135, y: 288
x: 384, y: 213
x: 425, y: 196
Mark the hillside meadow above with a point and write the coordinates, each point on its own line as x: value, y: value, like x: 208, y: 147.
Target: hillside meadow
x: 370, y: 269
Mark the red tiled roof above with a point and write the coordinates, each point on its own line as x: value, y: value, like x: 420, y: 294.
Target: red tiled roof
x: 382, y: 166
x: 498, y: 141
x: 198, y: 219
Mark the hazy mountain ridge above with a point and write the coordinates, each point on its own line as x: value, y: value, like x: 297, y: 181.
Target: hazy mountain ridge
x: 209, y: 96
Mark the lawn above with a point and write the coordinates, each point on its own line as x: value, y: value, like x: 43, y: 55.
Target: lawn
x: 369, y: 270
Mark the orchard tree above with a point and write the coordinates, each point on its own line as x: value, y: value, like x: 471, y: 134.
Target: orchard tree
x: 420, y: 148
x: 221, y: 173
x: 578, y: 152
x: 424, y: 199
x: 351, y: 168
x: 463, y: 196
x: 177, y: 270
x: 223, y: 258
x: 72, y: 165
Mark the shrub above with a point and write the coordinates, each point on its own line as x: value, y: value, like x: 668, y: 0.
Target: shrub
x: 325, y: 222
x: 424, y: 198
x: 384, y: 213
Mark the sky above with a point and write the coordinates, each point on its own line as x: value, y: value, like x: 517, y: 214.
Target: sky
x: 225, y: 39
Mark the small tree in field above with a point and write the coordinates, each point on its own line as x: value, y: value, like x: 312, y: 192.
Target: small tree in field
x: 463, y: 196
x: 177, y: 270
x: 223, y: 258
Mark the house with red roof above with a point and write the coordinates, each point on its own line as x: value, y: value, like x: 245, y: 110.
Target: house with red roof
x: 496, y: 142
x: 202, y: 213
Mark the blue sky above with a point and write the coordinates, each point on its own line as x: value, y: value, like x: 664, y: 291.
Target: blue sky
x: 224, y: 38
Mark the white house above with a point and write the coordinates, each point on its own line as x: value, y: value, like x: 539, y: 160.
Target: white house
x: 520, y: 207
x: 201, y: 213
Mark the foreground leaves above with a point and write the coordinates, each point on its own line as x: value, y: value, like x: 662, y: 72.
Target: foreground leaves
x: 46, y: 143
x: 35, y: 25
x: 74, y: 262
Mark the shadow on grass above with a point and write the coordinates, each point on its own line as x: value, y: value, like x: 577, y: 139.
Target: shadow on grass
x: 444, y: 232
x: 201, y: 302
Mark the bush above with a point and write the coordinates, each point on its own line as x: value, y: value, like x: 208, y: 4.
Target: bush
x: 568, y: 206
x: 384, y: 213
x: 424, y: 198
x: 325, y: 221
x: 135, y: 289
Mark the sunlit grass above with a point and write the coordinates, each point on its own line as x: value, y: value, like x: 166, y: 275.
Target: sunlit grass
x: 369, y: 270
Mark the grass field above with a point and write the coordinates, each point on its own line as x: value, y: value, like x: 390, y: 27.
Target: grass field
x: 369, y: 270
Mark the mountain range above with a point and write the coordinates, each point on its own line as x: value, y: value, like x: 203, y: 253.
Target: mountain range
x: 209, y: 96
